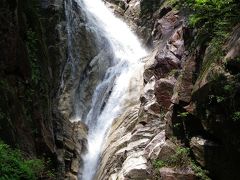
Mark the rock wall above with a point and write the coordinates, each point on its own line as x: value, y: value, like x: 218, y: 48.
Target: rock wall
x: 34, y: 51
x: 88, y: 57
x: 52, y: 60
x: 142, y: 127
x: 183, y: 102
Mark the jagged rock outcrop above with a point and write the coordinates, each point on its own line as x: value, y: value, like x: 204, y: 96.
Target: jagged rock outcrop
x: 183, y: 96
x: 171, y: 174
x: 142, y: 129
x: 200, y: 110
x: 89, y: 56
x: 142, y: 17
x: 52, y: 59
x: 203, y: 149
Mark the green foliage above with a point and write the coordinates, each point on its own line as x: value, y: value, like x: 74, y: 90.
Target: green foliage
x: 193, y: 20
x: 208, y: 11
x: 224, y: 89
x: 174, y: 72
x: 214, y: 19
x: 236, y: 116
x: 13, y: 165
x: 228, y: 88
x: 171, y: 2
x: 181, y: 159
x: 183, y: 114
x: 221, y: 96
x: 215, y: 15
x: 177, y: 125
x: 158, y: 164
x: 218, y: 99
x: 200, y: 173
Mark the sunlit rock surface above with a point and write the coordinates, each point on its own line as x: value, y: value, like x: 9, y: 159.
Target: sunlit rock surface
x: 180, y: 93
x: 138, y: 136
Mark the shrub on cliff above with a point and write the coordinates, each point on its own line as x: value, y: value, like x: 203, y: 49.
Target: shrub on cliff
x: 181, y: 159
x: 13, y: 165
x: 216, y: 17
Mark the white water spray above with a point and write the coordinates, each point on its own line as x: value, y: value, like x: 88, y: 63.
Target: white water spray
x: 111, y: 94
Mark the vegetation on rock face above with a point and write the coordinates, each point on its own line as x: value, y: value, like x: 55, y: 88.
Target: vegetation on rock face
x: 215, y: 17
x: 181, y: 159
x: 24, y: 86
x: 214, y: 20
x: 13, y: 165
x: 214, y: 110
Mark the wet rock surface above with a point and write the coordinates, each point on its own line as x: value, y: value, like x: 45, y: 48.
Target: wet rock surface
x: 142, y: 128
x: 88, y: 57
x: 176, y: 83
x: 183, y: 95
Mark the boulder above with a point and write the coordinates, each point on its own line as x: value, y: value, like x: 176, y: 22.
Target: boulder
x: 75, y: 165
x: 184, y: 86
x: 203, y: 150
x: 177, y: 174
x: 164, y: 91
x: 168, y: 149
x: 70, y: 176
x: 135, y: 167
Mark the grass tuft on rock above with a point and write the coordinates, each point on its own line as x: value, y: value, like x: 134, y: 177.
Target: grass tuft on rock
x: 181, y: 160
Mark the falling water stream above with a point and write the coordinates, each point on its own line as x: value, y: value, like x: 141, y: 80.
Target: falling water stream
x: 111, y: 94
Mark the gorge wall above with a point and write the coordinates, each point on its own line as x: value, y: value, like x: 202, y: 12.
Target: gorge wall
x: 189, y: 101
x: 34, y: 51
x: 52, y: 59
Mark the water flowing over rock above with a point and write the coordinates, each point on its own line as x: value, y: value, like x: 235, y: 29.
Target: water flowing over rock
x: 120, y: 84
x: 89, y: 56
x: 78, y: 88
x: 142, y: 128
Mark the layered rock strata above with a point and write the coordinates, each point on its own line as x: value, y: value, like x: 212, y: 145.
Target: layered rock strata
x: 142, y: 127
x: 181, y: 99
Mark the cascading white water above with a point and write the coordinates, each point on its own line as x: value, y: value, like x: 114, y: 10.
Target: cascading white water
x: 111, y: 94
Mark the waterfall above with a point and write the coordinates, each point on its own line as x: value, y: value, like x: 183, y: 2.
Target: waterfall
x: 112, y: 93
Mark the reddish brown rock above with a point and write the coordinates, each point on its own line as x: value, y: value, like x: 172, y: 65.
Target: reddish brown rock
x: 177, y: 174
x: 169, y: 54
x: 184, y: 86
x: 166, y: 25
x: 164, y: 91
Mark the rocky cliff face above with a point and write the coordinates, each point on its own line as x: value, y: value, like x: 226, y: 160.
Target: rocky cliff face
x: 142, y: 127
x: 33, y: 54
x: 52, y: 60
x: 183, y: 102
x: 88, y: 58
